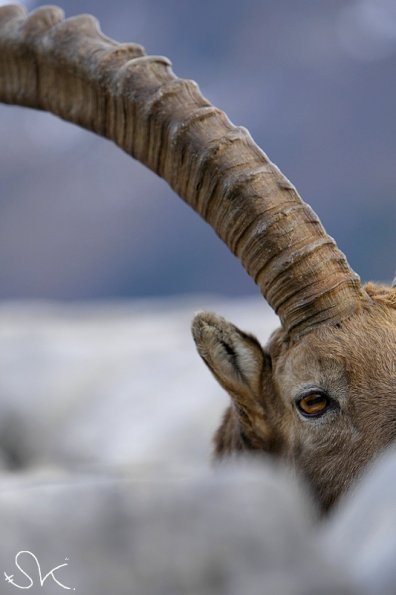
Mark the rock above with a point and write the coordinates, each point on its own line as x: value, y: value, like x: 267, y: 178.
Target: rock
x: 111, y: 385
x: 246, y: 528
x: 360, y: 535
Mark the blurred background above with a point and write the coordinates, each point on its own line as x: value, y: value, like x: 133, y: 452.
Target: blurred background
x: 312, y: 80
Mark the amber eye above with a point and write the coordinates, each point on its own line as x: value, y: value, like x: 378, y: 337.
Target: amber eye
x: 315, y: 403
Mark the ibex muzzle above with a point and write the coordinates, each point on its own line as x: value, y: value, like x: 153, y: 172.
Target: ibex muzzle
x: 322, y: 393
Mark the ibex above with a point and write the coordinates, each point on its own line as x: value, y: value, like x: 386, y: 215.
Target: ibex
x: 322, y: 393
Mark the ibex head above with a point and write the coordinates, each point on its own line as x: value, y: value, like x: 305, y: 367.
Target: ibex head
x: 325, y: 401
x: 322, y: 393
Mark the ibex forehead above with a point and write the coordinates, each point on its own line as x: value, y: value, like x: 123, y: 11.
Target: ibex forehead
x: 350, y: 359
x: 307, y: 367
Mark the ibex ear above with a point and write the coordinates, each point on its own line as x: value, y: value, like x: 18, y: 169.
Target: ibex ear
x: 235, y: 358
x: 241, y: 366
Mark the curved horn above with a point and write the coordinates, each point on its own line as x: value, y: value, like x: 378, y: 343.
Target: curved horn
x: 70, y: 68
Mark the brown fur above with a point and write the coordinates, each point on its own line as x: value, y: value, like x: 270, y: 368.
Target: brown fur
x: 354, y: 362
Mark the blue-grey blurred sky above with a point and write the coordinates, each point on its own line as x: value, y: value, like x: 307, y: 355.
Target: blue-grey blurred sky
x: 314, y: 81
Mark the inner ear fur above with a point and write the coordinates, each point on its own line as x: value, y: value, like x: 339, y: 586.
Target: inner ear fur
x: 244, y: 370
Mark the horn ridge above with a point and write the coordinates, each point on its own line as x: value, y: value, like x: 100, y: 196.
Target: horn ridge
x: 70, y: 68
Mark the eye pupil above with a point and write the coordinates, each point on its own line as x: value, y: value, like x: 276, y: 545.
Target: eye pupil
x: 313, y: 404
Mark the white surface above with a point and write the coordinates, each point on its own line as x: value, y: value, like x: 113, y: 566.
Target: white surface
x: 112, y: 384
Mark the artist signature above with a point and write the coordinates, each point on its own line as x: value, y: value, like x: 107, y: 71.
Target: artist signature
x: 9, y: 578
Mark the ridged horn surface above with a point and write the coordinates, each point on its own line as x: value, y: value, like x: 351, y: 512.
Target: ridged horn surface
x: 68, y: 67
